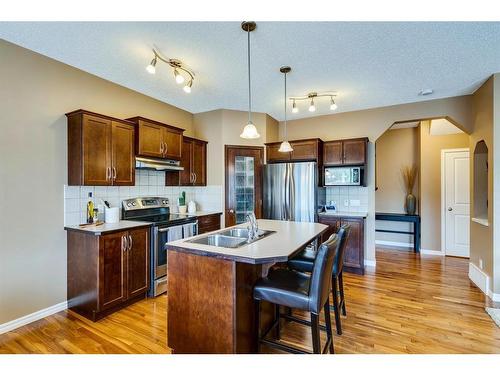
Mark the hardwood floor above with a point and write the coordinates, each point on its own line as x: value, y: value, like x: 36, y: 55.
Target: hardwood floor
x: 409, y: 304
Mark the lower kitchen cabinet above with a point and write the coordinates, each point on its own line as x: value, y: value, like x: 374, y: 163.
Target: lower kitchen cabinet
x: 106, y: 272
x: 208, y: 223
x: 354, y: 256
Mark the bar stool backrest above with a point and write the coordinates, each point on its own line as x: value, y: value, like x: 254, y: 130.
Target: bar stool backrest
x: 319, y: 288
x: 338, y: 262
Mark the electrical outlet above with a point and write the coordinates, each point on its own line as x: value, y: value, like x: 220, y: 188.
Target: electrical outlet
x: 480, y: 263
x: 346, y: 202
x: 355, y: 203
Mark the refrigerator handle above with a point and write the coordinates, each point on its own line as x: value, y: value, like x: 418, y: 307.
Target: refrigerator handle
x: 291, y: 199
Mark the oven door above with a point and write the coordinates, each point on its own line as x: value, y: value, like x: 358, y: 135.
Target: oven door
x: 163, y: 236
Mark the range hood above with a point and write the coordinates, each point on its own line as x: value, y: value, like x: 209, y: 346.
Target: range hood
x: 157, y: 164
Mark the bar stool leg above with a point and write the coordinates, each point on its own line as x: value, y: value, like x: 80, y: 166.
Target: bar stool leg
x: 315, y: 334
x: 257, y: 325
x: 277, y: 317
x: 328, y: 323
x: 342, y: 298
x: 336, y: 305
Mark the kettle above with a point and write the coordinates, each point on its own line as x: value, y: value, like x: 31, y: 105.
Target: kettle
x: 191, y: 207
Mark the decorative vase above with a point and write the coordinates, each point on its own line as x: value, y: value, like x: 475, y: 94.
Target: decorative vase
x: 410, y: 204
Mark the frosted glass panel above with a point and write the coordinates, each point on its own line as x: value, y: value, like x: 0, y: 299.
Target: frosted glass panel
x: 245, y: 191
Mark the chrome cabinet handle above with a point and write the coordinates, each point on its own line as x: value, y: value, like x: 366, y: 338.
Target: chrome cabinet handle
x: 114, y: 173
x: 108, y: 173
x: 161, y: 148
x: 131, y: 242
x: 194, y: 182
x: 166, y: 148
x: 124, y: 241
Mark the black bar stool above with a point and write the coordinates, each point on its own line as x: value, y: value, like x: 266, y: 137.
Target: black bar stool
x: 297, y: 290
x: 304, y: 262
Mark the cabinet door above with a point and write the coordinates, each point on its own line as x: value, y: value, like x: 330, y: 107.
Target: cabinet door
x: 199, y: 163
x: 332, y: 153
x: 186, y: 176
x: 123, y: 155
x: 333, y: 226
x: 273, y: 155
x: 96, y: 150
x: 150, y: 139
x: 354, y: 151
x: 173, y: 143
x: 137, y: 262
x: 304, y: 150
x: 354, y: 251
x: 111, y: 270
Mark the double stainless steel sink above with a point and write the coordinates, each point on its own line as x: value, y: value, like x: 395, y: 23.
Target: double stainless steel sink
x: 230, y: 238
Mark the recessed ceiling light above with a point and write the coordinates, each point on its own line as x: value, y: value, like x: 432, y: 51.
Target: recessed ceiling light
x: 426, y: 92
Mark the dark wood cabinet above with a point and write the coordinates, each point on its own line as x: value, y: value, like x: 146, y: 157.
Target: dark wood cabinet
x: 100, y: 150
x: 208, y: 223
x: 332, y: 153
x: 157, y: 140
x: 194, y: 161
x: 345, y: 152
x: 106, y: 272
x: 355, y: 247
x: 303, y: 150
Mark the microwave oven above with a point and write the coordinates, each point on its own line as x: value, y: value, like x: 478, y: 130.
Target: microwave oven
x: 343, y: 176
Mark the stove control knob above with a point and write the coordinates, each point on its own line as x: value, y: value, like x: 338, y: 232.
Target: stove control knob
x: 134, y: 204
x: 129, y: 204
x: 164, y: 201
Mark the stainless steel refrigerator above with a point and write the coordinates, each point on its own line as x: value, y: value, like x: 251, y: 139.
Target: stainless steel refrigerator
x: 291, y: 192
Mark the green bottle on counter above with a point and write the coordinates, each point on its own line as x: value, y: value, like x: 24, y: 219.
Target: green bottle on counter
x: 90, y: 209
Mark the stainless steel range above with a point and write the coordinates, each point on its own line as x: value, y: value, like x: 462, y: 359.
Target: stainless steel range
x: 165, y: 227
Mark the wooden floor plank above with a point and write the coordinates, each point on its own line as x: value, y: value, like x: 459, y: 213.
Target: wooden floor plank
x: 408, y: 304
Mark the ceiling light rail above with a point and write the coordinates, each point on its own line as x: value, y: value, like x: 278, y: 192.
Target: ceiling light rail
x: 180, y: 70
x: 310, y: 97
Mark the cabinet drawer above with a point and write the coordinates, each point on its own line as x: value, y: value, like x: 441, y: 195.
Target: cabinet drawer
x: 209, y: 220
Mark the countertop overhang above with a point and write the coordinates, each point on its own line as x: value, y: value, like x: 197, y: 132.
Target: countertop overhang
x: 290, y: 237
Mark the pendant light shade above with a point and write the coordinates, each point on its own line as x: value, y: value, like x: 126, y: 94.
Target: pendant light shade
x: 285, y: 145
x: 249, y: 131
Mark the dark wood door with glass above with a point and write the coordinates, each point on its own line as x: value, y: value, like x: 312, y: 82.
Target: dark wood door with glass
x: 243, y: 182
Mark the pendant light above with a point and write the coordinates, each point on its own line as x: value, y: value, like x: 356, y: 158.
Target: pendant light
x: 249, y: 131
x: 285, y: 145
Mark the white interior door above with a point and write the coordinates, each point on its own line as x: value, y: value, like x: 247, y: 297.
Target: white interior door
x: 456, y: 202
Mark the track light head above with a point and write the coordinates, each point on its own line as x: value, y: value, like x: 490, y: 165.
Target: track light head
x: 179, y: 78
x: 294, y: 107
x: 187, y: 86
x: 312, y: 107
x: 151, y: 68
x: 333, y: 106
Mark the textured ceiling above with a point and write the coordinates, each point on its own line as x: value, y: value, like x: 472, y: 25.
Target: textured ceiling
x: 368, y: 64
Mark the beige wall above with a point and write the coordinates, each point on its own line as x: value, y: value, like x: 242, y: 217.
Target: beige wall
x: 373, y: 123
x: 35, y: 93
x: 430, y: 181
x: 396, y: 148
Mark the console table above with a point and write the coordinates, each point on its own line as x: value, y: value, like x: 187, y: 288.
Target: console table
x: 415, y: 219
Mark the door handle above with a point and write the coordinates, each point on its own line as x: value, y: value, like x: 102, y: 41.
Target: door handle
x: 124, y: 243
x: 108, y: 173
x: 231, y: 211
x: 450, y: 209
x: 166, y: 148
x: 194, y: 181
x: 130, y: 242
x: 191, y: 179
x: 161, y: 148
x: 114, y: 173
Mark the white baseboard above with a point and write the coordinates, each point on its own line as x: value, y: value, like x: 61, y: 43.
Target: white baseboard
x: 393, y: 243
x: 37, y: 315
x: 495, y: 297
x: 478, y: 277
x: 371, y: 263
x: 431, y: 252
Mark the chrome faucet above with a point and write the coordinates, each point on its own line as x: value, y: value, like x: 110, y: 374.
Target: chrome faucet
x: 253, y: 227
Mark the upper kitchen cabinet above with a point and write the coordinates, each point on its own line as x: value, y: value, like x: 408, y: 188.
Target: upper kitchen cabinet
x: 345, y: 152
x: 157, y: 140
x: 100, y: 150
x: 194, y: 162
x: 303, y: 150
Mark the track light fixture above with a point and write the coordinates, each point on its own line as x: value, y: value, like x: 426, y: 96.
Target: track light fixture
x: 311, y: 96
x: 181, y: 72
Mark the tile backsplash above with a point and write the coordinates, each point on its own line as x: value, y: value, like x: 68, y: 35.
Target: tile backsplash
x: 147, y: 183
x: 356, y: 198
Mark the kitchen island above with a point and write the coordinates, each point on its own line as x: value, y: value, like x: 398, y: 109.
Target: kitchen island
x: 210, y: 303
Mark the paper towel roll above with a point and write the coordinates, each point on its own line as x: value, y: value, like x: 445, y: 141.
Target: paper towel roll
x: 112, y: 215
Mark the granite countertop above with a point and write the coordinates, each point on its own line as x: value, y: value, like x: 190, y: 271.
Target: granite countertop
x: 107, y: 227
x: 289, y: 238
x: 344, y: 214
